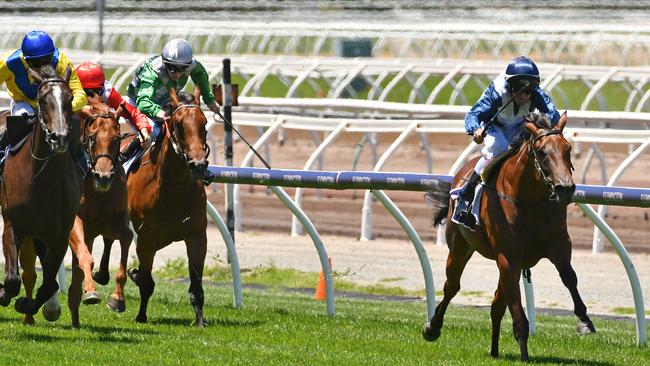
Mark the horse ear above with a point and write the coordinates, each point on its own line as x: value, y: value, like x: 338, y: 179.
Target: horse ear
x: 67, y: 74
x: 531, y: 128
x: 174, y: 97
x: 197, y: 95
x: 562, y: 122
x: 36, y: 76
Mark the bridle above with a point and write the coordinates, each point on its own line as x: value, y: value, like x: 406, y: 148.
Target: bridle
x: 46, y: 130
x: 92, y: 140
x: 538, y: 167
x: 174, y: 140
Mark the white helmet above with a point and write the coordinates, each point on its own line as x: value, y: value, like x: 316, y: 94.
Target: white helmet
x: 177, y: 52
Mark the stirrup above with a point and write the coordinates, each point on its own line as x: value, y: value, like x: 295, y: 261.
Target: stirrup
x: 463, y: 215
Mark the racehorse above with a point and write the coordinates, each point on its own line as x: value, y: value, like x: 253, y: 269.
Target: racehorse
x: 40, y: 194
x: 523, y: 214
x: 167, y: 198
x: 103, y: 211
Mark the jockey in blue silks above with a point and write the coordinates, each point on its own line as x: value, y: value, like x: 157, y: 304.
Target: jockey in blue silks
x: 501, y: 110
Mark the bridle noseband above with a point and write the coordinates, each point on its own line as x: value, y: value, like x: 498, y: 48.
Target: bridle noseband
x: 92, y: 159
x: 173, y: 138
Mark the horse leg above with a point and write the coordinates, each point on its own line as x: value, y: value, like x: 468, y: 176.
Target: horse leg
x: 496, y: 314
x: 570, y: 280
x: 10, y: 243
x: 116, y: 301
x: 102, y: 277
x: 509, y: 272
x: 74, y: 292
x: 459, y: 254
x: 50, y: 263
x: 51, y: 308
x: 196, y: 250
x: 142, y: 277
x: 79, y: 244
x: 27, y: 263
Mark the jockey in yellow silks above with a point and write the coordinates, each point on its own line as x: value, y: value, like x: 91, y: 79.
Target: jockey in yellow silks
x: 37, y: 49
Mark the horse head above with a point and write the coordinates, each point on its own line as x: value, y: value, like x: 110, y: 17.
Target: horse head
x: 101, y: 134
x: 551, y: 157
x: 187, y: 131
x: 54, y: 106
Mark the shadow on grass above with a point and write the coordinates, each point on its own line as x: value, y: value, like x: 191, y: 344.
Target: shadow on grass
x: 209, y: 322
x: 39, y: 337
x: 555, y: 360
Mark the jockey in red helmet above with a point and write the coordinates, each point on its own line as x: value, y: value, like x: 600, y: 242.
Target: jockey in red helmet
x: 501, y: 110
x: 96, y: 86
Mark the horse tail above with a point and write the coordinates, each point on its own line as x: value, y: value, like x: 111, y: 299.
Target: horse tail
x: 438, y: 197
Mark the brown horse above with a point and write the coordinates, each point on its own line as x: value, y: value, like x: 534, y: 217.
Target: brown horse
x: 40, y: 194
x: 103, y: 211
x: 167, y: 199
x: 523, y: 219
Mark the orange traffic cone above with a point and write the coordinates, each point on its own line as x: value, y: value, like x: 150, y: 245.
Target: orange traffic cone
x: 320, y: 287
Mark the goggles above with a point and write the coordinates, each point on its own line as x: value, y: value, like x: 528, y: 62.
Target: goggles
x: 38, y: 62
x: 176, y: 68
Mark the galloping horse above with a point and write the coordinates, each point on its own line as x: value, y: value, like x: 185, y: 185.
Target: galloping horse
x: 523, y: 219
x: 40, y: 194
x: 103, y: 211
x: 167, y: 199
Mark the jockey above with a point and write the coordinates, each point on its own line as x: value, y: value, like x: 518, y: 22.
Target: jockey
x: 501, y: 110
x: 37, y: 49
x: 149, y: 89
x: 95, y: 85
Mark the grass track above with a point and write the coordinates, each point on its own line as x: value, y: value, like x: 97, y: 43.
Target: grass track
x: 276, y: 327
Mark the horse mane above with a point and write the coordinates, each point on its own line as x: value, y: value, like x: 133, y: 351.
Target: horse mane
x: 47, y: 72
x: 183, y: 98
x: 99, y: 107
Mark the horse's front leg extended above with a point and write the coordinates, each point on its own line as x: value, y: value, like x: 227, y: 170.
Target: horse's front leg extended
x: 116, y: 301
x: 509, y: 272
x: 570, y: 280
x: 81, y: 246
x: 496, y: 314
x: 11, y: 287
x: 51, y: 262
x: 141, y: 276
x: 196, y: 250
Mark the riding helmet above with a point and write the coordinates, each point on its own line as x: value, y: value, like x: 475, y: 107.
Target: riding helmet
x: 37, y: 44
x: 91, y: 75
x: 522, y: 66
x: 177, y: 52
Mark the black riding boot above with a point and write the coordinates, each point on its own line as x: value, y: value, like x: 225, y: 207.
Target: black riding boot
x: 207, y: 177
x: 462, y: 214
x: 130, y: 150
x: 4, y: 142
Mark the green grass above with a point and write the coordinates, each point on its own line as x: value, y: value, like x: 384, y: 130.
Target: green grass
x: 281, y: 328
x: 273, y: 276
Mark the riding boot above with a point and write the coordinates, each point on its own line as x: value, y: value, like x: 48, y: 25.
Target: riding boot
x: 207, y: 177
x: 4, y: 142
x: 462, y: 214
x: 130, y: 150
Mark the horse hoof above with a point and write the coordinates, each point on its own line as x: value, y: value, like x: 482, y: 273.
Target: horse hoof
x: 21, y: 306
x: 28, y: 319
x: 118, y: 306
x: 91, y: 298
x: 133, y: 275
x: 101, y: 278
x: 51, y: 312
x: 586, y: 327
x: 141, y: 319
x: 429, y: 333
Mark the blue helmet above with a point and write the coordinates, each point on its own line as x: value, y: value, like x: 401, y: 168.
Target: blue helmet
x: 522, y: 66
x: 37, y: 44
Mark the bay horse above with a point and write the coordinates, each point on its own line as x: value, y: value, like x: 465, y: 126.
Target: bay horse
x: 167, y: 199
x: 40, y: 194
x: 523, y: 216
x: 102, y: 211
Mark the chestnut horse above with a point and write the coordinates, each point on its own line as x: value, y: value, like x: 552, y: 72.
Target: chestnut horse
x: 523, y: 219
x: 167, y: 198
x: 40, y: 194
x: 103, y: 211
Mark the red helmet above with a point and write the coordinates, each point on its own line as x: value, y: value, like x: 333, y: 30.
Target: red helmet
x: 91, y: 75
